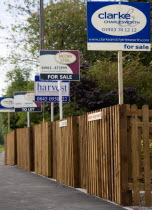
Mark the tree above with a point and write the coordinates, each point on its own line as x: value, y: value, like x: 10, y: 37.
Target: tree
x: 19, y: 80
x: 64, y: 30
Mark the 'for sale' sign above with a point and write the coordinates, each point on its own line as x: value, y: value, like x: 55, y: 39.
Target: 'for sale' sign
x: 59, y: 65
x: 118, y: 26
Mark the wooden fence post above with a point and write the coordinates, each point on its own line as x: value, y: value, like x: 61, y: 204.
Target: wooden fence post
x: 124, y: 156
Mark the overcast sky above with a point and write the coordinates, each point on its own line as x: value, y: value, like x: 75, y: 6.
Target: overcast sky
x: 5, y: 20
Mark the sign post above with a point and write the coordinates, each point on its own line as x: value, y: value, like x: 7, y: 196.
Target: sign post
x: 8, y: 122
x: 52, y: 112
x: 60, y: 100
x: 120, y: 73
x: 42, y: 38
x: 120, y: 77
x: 28, y: 119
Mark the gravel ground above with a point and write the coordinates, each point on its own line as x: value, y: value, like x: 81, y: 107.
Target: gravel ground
x: 140, y: 207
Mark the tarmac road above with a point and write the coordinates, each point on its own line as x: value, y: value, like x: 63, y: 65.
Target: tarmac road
x: 23, y: 190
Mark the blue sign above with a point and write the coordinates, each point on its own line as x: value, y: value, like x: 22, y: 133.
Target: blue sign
x: 54, y: 99
x: 118, y: 26
x: 6, y: 104
x: 47, y: 91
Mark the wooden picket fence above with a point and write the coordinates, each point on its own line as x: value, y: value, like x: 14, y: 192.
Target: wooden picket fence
x: 109, y: 157
x: 140, y: 153
x: 106, y: 155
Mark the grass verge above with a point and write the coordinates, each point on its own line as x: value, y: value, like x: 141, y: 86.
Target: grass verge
x: 1, y: 148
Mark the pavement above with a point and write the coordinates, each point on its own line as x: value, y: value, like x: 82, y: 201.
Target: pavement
x: 23, y: 190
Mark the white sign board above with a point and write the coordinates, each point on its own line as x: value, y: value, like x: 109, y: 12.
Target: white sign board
x: 63, y: 123
x: 59, y: 65
x: 24, y: 102
x: 47, y: 91
x: 6, y: 104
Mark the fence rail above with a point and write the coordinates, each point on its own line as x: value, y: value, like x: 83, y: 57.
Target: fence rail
x: 109, y: 157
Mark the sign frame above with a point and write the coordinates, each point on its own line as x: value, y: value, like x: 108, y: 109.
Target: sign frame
x: 59, y: 65
x: 107, y: 40
x: 6, y: 108
x: 94, y: 116
x: 51, y: 94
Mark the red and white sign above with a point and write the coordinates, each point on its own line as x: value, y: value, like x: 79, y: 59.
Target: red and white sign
x: 59, y: 65
x: 95, y: 116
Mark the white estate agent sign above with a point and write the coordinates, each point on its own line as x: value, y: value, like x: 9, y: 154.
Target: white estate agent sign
x: 24, y: 102
x: 6, y: 104
x: 59, y: 65
x: 47, y: 91
x: 118, y: 26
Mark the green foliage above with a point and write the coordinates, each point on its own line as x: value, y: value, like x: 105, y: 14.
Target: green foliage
x: 71, y: 109
x: 135, y: 75
x: 139, y: 76
x: 18, y: 80
x: 65, y: 29
x: 105, y: 75
x: 1, y: 132
x: 87, y: 96
x: 142, y: 149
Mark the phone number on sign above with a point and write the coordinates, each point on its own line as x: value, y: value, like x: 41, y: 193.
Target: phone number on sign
x: 119, y: 29
x: 51, y: 99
